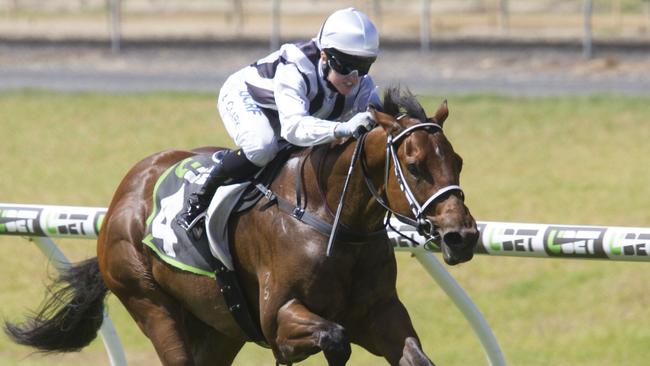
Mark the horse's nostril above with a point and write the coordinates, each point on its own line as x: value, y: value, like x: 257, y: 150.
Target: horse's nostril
x: 453, y: 239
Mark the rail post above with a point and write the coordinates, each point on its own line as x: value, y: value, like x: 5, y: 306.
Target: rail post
x: 587, y: 38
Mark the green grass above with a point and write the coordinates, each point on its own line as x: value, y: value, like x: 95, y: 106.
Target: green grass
x: 581, y: 160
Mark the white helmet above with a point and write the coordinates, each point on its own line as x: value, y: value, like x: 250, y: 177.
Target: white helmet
x: 351, y: 32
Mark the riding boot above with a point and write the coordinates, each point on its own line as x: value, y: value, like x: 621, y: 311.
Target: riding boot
x: 231, y: 166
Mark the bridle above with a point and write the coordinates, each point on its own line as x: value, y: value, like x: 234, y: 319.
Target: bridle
x: 424, y: 226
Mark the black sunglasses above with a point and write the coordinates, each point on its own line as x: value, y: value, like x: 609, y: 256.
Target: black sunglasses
x: 345, y: 64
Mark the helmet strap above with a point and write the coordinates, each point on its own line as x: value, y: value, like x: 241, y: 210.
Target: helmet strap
x: 326, y: 71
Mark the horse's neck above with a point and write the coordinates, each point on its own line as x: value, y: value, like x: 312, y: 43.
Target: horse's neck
x: 360, y: 210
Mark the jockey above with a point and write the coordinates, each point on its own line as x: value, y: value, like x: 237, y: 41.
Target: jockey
x: 308, y: 93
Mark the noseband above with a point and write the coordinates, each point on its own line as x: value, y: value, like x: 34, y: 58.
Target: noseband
x: 421, y: 223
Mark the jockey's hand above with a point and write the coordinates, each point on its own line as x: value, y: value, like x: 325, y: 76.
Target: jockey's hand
x: 360, y: 122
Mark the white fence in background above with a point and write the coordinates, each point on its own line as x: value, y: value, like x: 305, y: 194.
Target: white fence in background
x: 43, y: 222
x: 504, y: 16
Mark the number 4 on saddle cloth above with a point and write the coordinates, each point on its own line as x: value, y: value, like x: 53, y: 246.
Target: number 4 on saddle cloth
x: 193, y: 250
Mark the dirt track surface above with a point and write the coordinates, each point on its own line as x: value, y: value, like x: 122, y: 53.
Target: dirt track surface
x: 505, y: 69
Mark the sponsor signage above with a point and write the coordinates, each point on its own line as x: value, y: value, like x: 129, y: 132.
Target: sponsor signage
x: 627, y: 243
x: 20, y: 221
x: 53, y: 221
x: 503, y: 238
x: 543, y: 240
x: 497, y: 238
x: 573, y: 241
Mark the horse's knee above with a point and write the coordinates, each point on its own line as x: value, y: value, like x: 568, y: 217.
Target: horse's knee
x: 176, y: 357
x: 412, y: 354
x: 335, y: 345
x: 302, y: 333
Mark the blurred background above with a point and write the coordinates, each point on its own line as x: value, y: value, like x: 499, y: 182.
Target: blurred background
x: 402, y: 20
x: 549, y: 103
x: 507, y: 46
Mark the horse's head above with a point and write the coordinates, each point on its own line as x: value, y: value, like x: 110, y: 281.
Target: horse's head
x: 424, y: 182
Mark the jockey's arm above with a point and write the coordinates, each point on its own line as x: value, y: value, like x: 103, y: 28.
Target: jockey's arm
x: 297, y: 126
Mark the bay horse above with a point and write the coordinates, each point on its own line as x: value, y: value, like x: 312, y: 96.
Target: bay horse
x: 303, y: 300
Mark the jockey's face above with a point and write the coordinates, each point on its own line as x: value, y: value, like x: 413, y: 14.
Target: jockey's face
x: 343, y: 83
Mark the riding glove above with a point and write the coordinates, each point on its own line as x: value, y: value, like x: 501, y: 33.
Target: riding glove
x: 361, y: 120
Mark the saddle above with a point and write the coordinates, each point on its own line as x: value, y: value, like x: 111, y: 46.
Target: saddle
x: 237, y: 198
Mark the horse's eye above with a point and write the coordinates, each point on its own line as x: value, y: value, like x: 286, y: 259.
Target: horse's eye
x: 412, y: 168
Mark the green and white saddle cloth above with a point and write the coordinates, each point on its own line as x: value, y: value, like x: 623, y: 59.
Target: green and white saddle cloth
x: 172, y: 243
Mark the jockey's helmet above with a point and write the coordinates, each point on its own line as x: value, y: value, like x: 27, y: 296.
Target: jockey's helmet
x: 351, y: 32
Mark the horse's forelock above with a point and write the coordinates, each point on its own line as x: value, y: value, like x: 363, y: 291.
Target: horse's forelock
x: 398, y: 101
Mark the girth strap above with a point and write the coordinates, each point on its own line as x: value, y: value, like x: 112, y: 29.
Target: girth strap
x: 237, y: 304
x: 345, y: 234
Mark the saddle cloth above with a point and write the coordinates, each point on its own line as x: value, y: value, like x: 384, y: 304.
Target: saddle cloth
x: 191, y: 251
x: 205, y: 248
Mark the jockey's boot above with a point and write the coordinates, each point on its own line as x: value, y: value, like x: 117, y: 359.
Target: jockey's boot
x: 231, y: 166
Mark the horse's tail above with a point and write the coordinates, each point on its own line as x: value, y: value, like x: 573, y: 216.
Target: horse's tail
x: 71, y: 316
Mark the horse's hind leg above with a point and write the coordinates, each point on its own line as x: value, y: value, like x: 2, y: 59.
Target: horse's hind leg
x: 178, y: 337
x: 302, y: 333
x: 159, y: 318
x: 156, y: 313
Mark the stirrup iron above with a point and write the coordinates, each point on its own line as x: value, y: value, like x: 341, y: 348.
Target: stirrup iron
x: 188, y: 226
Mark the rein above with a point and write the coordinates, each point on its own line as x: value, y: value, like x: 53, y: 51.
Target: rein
x: 358, y: 148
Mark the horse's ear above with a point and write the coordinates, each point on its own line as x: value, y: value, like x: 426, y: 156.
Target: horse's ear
x: 441, y: 114
x: 386, y: 121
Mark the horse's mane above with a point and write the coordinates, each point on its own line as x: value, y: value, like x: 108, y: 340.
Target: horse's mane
x: 397, y: 101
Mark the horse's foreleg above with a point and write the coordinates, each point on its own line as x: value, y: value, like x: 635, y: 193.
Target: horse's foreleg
x: 302, y: 333
x: 412, y: 353
x: 388, y: 331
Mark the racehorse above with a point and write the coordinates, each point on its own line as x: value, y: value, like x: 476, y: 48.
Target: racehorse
x: 303, y: 300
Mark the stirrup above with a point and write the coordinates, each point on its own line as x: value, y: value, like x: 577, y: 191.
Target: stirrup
x: 181, y: 220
